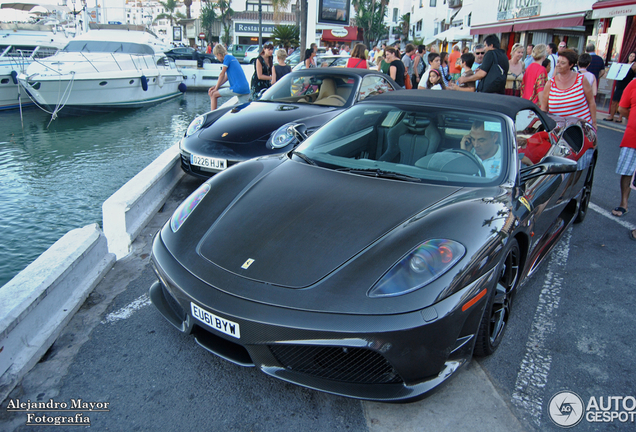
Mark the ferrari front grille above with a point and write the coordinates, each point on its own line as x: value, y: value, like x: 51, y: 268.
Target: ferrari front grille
x: 352, y: 365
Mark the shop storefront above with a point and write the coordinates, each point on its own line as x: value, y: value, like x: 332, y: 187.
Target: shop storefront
x: 615, y: 37
x: 535, y: 22
x: 343, y: 35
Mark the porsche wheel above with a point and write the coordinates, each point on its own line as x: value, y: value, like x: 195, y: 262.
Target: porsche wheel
x: 586, y: 195
x: 495, y: 319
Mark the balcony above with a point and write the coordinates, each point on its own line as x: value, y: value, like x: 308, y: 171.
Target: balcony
x: 454, y: 3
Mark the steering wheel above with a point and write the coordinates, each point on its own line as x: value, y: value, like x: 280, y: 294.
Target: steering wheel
x: 472, y: 157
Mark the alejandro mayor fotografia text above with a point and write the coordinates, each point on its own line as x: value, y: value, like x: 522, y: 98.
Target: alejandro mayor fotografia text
x: 57, y: 413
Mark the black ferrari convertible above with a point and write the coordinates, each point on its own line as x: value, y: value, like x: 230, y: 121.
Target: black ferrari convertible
x: 378, y: 256
x: 228, y: 135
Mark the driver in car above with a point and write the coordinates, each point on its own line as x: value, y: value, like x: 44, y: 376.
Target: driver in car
x: 482, y: 141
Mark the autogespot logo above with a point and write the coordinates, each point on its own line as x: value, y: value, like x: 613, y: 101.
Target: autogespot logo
x: 566, y: 409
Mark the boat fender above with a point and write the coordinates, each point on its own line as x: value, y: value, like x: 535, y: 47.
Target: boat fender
x: 182, y: 87
x: 14, y: 77
x: 160, y: 80
x: 144, y: 83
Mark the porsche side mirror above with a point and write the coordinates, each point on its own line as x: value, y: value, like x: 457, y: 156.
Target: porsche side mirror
x: 549, y: 165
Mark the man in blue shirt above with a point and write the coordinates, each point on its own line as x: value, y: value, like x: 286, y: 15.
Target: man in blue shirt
x: 231, y: 71
x: 529, y: 59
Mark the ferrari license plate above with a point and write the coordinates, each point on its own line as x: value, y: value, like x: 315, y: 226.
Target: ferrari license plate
x: 208, y: 162
x: 228, y: 327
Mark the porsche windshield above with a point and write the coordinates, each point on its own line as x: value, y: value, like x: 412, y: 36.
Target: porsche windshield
x: 414, y: 143
x: 317, y: 89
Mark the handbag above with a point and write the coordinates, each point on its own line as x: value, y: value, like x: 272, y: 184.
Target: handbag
x: 407, y: 82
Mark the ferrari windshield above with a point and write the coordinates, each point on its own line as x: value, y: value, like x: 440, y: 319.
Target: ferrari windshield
x: 318, y: 89
x: 414, y: 143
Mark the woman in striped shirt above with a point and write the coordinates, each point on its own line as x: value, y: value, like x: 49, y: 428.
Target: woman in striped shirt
x: 568, y: 93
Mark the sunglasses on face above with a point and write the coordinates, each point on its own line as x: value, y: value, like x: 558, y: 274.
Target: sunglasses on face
x: 480, y: 53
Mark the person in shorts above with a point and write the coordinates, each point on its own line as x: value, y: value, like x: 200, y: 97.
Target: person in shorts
x: 627, y: 157
x: 232, y: 72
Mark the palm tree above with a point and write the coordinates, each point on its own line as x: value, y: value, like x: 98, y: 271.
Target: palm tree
x: 405, y: 23
x: 286, y: 35
x: 187, y: 4
x: 370, y: 16
x: 208, y: 16
x: 170, y: 14
x: 225, y: 16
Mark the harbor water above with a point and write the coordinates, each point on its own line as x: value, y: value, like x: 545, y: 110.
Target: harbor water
x: 54, y: 177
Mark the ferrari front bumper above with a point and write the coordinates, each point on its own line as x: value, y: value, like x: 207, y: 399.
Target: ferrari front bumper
x: 390, y: 358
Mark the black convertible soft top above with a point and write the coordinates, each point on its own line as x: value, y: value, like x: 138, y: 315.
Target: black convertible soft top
x: 507, y: 105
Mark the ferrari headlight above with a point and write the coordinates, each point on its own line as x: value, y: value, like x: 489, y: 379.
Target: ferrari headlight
x: 283, y: 136
x: 187, y: 207
x: 196, y: 124
x: 420, y: 267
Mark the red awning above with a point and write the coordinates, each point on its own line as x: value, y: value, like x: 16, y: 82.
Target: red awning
x: 491, y: 28
x: 550, y: 22
x: 612, y: 8
x: 344, y: 34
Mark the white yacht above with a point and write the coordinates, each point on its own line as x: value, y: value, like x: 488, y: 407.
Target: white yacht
x: 21, y: 45
x: 104, y: 69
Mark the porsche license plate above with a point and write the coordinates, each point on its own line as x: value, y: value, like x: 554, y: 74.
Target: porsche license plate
x: 228, y: 327
x: 208, y: 162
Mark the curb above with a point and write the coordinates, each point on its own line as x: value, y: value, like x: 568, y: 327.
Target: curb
x: 128, y: 210
x: 38, y: 302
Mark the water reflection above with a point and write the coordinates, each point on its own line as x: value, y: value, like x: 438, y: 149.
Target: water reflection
x: 55, y: 179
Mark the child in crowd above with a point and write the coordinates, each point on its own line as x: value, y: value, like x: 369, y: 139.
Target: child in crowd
x: 435, y: 81
x: 467, y: 60
x: 281, y: 69
x: 547, y: 65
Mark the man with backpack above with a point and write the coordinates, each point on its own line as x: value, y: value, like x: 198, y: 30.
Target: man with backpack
x: 493, y: 70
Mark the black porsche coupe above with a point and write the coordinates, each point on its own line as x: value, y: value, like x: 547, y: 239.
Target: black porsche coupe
x: 229, y: 135
x: 377, y: 257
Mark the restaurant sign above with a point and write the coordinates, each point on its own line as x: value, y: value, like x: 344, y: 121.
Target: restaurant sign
x: 511, y: 9
x: 252, y: 28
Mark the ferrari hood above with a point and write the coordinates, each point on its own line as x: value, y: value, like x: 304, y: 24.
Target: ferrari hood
x: 249, y: 122
x: 299, y: 223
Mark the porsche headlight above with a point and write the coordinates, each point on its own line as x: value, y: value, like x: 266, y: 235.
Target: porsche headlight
x: 420, y: 267
x: 187, y: 207
x: 196, y: 124
x: 283, y: 136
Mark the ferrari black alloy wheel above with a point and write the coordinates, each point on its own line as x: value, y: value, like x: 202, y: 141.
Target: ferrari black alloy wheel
x: 495, y: 319
x: 586, y: 194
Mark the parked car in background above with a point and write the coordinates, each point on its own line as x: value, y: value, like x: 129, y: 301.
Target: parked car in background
x: 187, y: 53
x: 326, y: 61
x: 224, y: 137
x: 238, y: 51
x: 250, y: 54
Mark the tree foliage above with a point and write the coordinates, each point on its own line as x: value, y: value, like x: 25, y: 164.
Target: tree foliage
x: 170, y: 14
x: 225, y: 15
x: 370, y: 16
x: 286, y: 35
x: 405, y: 23
x: 208, y: 17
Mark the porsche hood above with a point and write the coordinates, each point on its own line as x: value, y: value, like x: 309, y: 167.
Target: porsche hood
x: 262, y: 119
x: 298, y: 223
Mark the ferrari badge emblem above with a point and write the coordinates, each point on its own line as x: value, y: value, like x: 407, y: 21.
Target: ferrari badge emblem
x: 247, y: 263
x: 224, y: 135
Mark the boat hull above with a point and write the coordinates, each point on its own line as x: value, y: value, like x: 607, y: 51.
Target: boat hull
x: 101, y: 93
